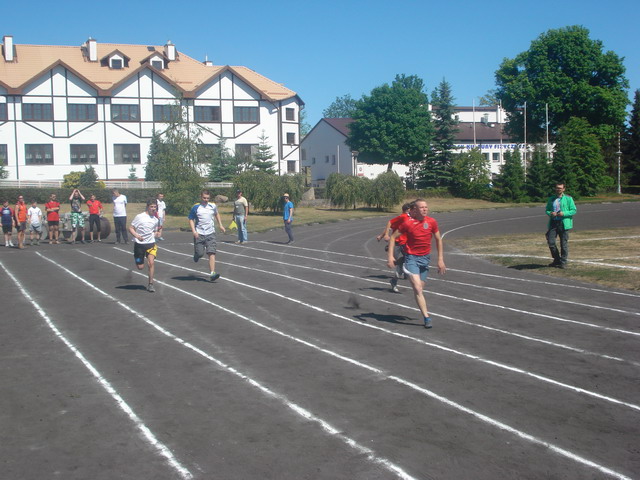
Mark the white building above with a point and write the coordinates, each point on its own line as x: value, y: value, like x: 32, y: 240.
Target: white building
x: 64, y: 107
x: 325, y: 151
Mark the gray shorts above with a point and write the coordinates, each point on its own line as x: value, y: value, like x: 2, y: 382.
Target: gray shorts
x: 204, y: 244
x: 35, y: 227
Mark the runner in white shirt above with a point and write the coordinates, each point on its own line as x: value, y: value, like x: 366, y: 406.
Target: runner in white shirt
x: 203, y: 228
x: 144, y: 230
x: 120, y: 215
x: 34, y: 214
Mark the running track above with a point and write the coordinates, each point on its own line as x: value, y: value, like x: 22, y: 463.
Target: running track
x: 299, y: 363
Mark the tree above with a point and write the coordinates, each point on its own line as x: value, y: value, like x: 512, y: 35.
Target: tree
x: 470, y: 175
x: 631, y: 144
x: 88, y: 178
x: 386, y: 191
x: 578, y: 159
x: 223, y: 166
x: 540, y: 176
x: 304, y: 124
x: 133, y: 174
x: 264, y: 154
x: 571, y: 73
x: 342, y: 107
x: 509, y: 184
x: 392, y: 124
x: 489, y: 99
x: 173, y: 160
x: 436, y: 169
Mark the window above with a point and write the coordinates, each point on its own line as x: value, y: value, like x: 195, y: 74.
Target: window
x: 166, y: 113
x: 126, y: 153
x: 81, y: 112
x: 116, y: 63
x: 291, y: 138
x: 486, y: 157
x: 4, y: 159
x: 290, y: 114
x: 38, y: 154
x: 125, y: 113
x: 245, y: 114
x: 326, y: 159
x: 291, y: 166
x: 206, y: 114
x: 81, y: 154
x: 333, y: 159
x: 496, y: 157
x: 313, y: 160
x: 37, y: 111
x: 246, y: 151
x: 159, y: 64
x: 206, y: 152
x: 3, y: 111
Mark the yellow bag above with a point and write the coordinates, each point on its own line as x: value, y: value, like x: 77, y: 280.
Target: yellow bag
x: 233, y: 225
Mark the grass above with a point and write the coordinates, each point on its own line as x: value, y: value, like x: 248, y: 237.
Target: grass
x: 607, y: 257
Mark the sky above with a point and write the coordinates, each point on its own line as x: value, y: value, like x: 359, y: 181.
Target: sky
x: 329, y: 48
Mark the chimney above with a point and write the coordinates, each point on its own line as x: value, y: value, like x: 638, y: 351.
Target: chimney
x: 92, y: 50
x: 7, y: 42
x: 207, y: 62
x: 170, y: 51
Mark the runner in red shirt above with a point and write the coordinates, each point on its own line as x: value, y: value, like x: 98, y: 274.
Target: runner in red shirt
x: 52, y: 207
x: 398, y: 251
x: 419, y: 229
x: 95, y: 212
x: 20, y: 216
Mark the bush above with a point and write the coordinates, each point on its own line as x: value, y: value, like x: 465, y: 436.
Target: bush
x: 264, y: 190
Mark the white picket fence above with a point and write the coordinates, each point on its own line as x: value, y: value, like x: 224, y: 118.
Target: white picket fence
x: 120, y: 184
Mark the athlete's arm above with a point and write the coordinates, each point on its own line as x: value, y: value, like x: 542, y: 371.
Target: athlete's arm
x: 220, y: 222
x: 385, y: 232
x: 442, y: 269
x: 391, y: 263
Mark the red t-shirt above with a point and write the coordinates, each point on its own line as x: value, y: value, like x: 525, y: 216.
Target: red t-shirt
x: 52, y: 216
x: 419, y: 235
x: 395, y: 223
x: 94, y: 207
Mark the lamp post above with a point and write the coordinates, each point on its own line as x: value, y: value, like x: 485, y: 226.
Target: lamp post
x: 619, y: 155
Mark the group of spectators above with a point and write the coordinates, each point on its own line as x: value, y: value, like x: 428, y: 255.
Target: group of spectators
x: 23, y: 218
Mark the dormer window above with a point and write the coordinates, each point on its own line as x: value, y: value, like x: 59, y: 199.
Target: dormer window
x: 157, y: 64
x: 116, y: 62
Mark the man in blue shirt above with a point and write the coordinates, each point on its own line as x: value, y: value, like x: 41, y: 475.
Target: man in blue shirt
x: 203, y: 228
x: 287, y: 216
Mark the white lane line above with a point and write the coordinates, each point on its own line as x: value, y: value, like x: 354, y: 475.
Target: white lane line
x: 483, y: 418
x: 501, y: 220
x: 431, y: 292
x: 147, y: 434
x: 326, y: 426
x: 433, y: 313
x: 424, y: 342
x: 552, y: 299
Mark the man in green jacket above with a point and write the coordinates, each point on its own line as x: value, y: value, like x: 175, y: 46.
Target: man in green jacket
x: 560, y: 209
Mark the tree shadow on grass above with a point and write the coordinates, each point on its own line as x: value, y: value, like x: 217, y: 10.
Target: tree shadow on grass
x: 397, y: 319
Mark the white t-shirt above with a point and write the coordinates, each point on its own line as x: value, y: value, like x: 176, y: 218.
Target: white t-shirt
x: 35, y: 215
x: 119, y: 204
x: 145, y: 226
x: 203, y: 215
x: 161, y: 208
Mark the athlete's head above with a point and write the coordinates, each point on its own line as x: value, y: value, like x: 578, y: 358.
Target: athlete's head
x: 419, y: 209
x: 406, y: 207
x: 152, y: 206
x: 205, y: 196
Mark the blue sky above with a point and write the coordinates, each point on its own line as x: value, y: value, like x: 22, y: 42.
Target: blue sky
x: 329, y: 48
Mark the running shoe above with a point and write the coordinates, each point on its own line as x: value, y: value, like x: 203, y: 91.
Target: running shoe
x: 394, y: 285
x: 427, y: 322
x: 150, y: 288
x: 214, y: 276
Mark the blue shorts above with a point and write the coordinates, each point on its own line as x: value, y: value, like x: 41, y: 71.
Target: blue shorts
x: 417, y: 265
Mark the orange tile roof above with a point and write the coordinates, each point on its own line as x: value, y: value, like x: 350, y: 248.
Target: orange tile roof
x: 187, y: 74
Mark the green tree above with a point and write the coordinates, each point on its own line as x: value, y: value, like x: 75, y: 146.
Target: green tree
x: 540, y: 176
x: 341, y: 107
x: 264, y: 154
x: 386, y: 191
x: 223, y: 166
x: 578, y: 159
x: 304, y: 124
x: 510, y: 184
x: 436, y: 170
x: 4, y: 173
x: 392, y: 124
x: 346, y: 190
x: 88, y: 178
x: 71, y: 180
x: 133, y: 173
x: 470, y: 175
x: 489, y: 99
x: 570, y: 72
x: 173, y: 160
x: 631, y: 144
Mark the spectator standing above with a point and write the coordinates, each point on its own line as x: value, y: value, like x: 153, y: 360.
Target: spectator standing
x: 35, y: 223
x: 201, y: 220
x: 161, y: 214
x: 95, y: 212
x: 7, y: 216
x: 77, y: 217
x: 240, y: 214
x: 560, y: 209
x: 120, y: 216
x: 20, y: 217
x: 287, y: 216
x: 144, y: 230
x: 419, y: 229
x: 52, y: 207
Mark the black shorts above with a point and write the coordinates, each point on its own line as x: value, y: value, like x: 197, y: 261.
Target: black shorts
x: 22, y: 226
x: 94, y: 218
x: 143, y: 250
x: 53, y: 223
x: 7, y: 228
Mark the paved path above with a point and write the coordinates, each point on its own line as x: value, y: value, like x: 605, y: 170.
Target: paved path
x: 299, y: 363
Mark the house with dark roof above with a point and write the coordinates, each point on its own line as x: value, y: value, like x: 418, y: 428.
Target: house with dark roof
x: 66, y: 107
